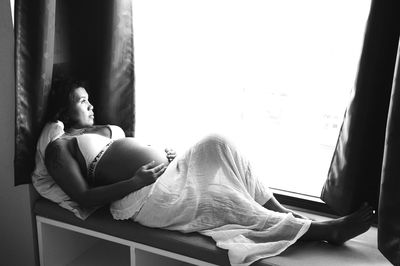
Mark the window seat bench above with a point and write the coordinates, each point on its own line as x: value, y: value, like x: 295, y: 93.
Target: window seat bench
x: 64, y: 239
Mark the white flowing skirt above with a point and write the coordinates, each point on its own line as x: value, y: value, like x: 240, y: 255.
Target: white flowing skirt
x: 211, y: 189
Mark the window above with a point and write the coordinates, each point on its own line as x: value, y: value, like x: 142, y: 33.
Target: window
x: 274, y: 76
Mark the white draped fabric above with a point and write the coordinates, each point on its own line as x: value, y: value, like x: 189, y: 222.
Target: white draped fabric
x: 212, y: 189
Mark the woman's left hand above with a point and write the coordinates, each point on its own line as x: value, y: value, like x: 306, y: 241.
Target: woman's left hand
x: 171, y: 154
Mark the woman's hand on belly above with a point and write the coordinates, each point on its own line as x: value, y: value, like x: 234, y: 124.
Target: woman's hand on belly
x: 171, y: 154
x: 148, y: 173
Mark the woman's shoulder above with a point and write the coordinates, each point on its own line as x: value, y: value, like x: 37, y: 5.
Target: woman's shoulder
x: 61, y: 147
x: 60, y: 144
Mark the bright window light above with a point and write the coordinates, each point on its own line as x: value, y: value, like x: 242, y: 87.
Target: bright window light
x: 273, y: 76
x: 12, y: 10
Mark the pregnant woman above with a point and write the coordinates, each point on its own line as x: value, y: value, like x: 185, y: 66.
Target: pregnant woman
x: 210, y: 189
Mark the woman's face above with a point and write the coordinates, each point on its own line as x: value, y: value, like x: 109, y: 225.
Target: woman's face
x: 81, y: 111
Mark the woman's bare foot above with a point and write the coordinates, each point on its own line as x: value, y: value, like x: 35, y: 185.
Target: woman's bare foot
x: 350, y: 226
x: 338, y: 231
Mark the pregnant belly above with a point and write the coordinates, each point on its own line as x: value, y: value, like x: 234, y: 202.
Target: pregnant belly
x: 123, y: 158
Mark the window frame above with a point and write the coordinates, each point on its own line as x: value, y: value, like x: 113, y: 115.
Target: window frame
x: 302, y: 201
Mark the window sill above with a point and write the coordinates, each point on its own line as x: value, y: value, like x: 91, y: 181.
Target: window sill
x: 308, y: 204
x: 300, y: 201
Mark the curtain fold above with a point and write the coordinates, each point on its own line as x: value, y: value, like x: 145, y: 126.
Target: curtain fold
x: 94, y: 43
x: 116, y: 102
x: 34, y: 46
x: 364, y: 167
x: 354, y: 174
x: 389, y: 201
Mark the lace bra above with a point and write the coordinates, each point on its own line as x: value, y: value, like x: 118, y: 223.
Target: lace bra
x: 92, y: 147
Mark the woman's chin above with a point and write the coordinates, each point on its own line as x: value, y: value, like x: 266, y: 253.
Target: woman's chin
x: 89, y: 124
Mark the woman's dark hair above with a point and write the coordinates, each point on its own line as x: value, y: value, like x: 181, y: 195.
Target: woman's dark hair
x: 59, y: 99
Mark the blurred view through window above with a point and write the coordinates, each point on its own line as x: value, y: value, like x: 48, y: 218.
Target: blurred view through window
x: 273, y: 76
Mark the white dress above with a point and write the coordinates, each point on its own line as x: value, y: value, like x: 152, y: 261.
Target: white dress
x: 211, y: 189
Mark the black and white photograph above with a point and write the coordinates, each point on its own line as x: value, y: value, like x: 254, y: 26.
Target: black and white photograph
x: 188, y: 132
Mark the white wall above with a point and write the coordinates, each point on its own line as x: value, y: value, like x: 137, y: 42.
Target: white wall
x: 16, y: 226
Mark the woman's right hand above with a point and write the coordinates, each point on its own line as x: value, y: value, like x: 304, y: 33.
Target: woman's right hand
x: 148, y: 173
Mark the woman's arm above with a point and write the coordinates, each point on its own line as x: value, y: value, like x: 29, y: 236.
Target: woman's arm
x: 65, y: 170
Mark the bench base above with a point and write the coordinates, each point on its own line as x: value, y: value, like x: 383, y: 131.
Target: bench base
x: 100, y: 240
x: 64, y: 244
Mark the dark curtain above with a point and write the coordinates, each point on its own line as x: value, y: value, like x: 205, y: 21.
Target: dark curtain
x: 100, y: 51
x: 34, y: 46
x: 356, y: 169
x: 96, y: 47
x: 389, y: 201
x: 354, y: 175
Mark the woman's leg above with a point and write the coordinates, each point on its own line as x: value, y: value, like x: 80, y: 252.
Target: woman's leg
x: 338, y: 231
x: 274, y: 205
x: 335, y: 231
x: 229, y: 155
